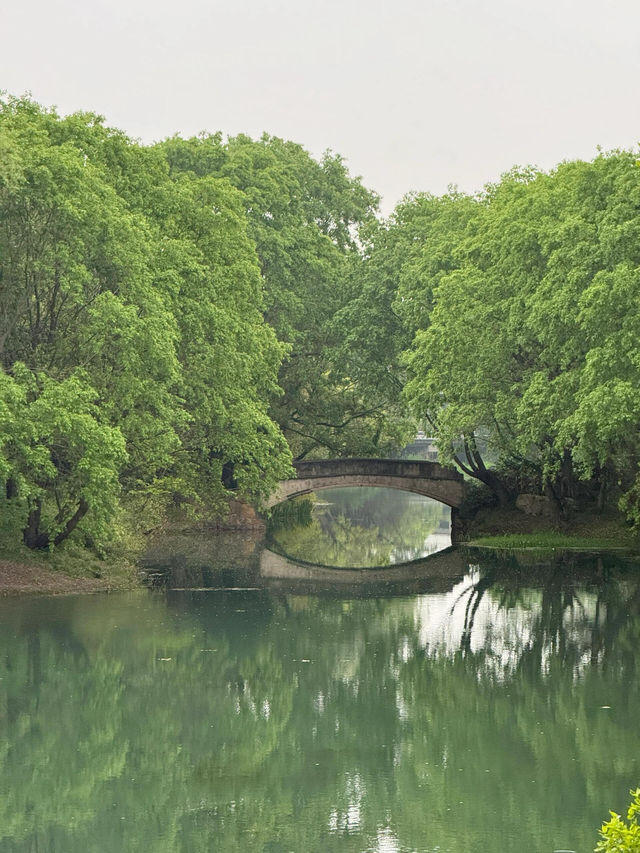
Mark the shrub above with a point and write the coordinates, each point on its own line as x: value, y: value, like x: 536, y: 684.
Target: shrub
x: 620, y: 836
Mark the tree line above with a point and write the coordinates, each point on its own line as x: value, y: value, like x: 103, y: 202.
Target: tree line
x: 166, y: 328
x: 180, y: 320
x: 509, y: 320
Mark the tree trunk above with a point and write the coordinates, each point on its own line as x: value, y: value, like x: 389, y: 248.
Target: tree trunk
x: 70, y: 526
x: 556, y: 503
x: 32, y: 535
x: 475, y: 467
x: 37, y: 539
x: 602, y: 491
x: 489, y: 478
x: 228, y: 479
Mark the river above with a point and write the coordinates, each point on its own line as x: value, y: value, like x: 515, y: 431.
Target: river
x: 465, y: 702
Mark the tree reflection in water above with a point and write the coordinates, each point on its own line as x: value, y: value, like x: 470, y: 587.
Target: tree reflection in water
x: 360, y: 527
x: 469, y: 719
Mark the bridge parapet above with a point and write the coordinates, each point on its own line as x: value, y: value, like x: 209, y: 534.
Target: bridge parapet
x: 425, y: 478
x: 376, y: 467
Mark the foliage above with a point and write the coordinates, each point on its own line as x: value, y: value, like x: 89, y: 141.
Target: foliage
x: 137, y: 364
x: 60, y: 455
x: 619, y: 836
x: 526, y: 348
x: 183, y: 318
x: 305, y: 217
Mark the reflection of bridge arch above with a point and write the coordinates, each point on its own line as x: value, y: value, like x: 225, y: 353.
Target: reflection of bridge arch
x: 424, y: 478
x: 438, y: 572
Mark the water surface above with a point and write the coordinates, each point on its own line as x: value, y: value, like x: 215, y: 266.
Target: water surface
x: 360, y: 527
x: 499, y: 714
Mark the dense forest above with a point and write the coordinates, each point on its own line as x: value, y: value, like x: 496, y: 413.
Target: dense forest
x: 179, y: 321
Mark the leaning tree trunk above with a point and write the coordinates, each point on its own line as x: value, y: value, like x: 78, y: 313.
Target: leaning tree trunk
x: 72, y: 523
x: 38, y: 539
x: 476, y: 468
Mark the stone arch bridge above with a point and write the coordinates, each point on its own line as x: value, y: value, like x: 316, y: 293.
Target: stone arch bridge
x: 424, y: 478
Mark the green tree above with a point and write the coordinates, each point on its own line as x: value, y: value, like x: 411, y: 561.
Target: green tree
x: 391, y: 297
x: 60, y: 456
x: 304, y: 216
x: 140, y: 297
x: 529, y: 352
x: 78, y: 312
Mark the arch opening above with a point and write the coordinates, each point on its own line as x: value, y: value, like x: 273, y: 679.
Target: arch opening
x: 359, y: 526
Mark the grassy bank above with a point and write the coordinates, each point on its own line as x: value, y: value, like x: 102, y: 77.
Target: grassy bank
x: 587, y: 532
x: 71, y: 569
x: 550, y: 540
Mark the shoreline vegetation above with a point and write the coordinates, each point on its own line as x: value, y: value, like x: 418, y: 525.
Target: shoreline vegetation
x: 64, y: 572
x: 71, y: 569
x: 181, y: 321
x: 511, y: 529
x: 549, y: 541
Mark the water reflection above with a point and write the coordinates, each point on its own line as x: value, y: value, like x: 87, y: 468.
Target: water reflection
x: 362, y: 527
x: 498, y: 713
x: 180, y: 560
x: 436, y: 573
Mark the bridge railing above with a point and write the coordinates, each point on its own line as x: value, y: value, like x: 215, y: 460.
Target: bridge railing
x: 376, y: 467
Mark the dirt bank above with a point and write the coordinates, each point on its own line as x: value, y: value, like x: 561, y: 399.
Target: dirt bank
x: 21, y: 578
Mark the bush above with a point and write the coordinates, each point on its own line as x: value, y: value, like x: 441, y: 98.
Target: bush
x: 618, y: 836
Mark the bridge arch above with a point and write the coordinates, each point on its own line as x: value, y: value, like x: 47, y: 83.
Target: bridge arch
x: 423, y: 478
x: 436, y: 573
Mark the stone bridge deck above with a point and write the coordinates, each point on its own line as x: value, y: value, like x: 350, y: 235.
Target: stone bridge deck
x: 424, y: 478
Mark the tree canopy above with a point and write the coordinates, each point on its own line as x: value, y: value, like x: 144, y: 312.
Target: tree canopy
x: 307, y: 219
x: 526, y: 315
x: 132, y: 330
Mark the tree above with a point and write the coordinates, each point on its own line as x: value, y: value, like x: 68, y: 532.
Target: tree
x: 139, y: 297
x: 304, y: 217
x: 80, y: 327
x: 60, y: 456
x: 523, y: 351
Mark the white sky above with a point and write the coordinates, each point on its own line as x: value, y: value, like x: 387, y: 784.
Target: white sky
x: 415, y: 94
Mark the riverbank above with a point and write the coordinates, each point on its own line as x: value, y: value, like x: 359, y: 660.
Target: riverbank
x: 73, y: 569
x: 515, y: 530
x: 185, y: 545
x: 552, y: 540
x: 64, y: 573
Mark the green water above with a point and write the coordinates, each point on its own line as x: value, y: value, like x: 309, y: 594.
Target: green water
x: 360, y: 527
x: 248, y: 721
x: 498, y: 712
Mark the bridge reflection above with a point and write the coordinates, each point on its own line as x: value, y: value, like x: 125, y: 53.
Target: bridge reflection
x: 436, y: 573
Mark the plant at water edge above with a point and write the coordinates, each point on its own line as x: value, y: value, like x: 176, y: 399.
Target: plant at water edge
x: 619, y: 836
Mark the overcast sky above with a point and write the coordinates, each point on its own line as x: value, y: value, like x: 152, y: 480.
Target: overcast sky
x: 415, y: 94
